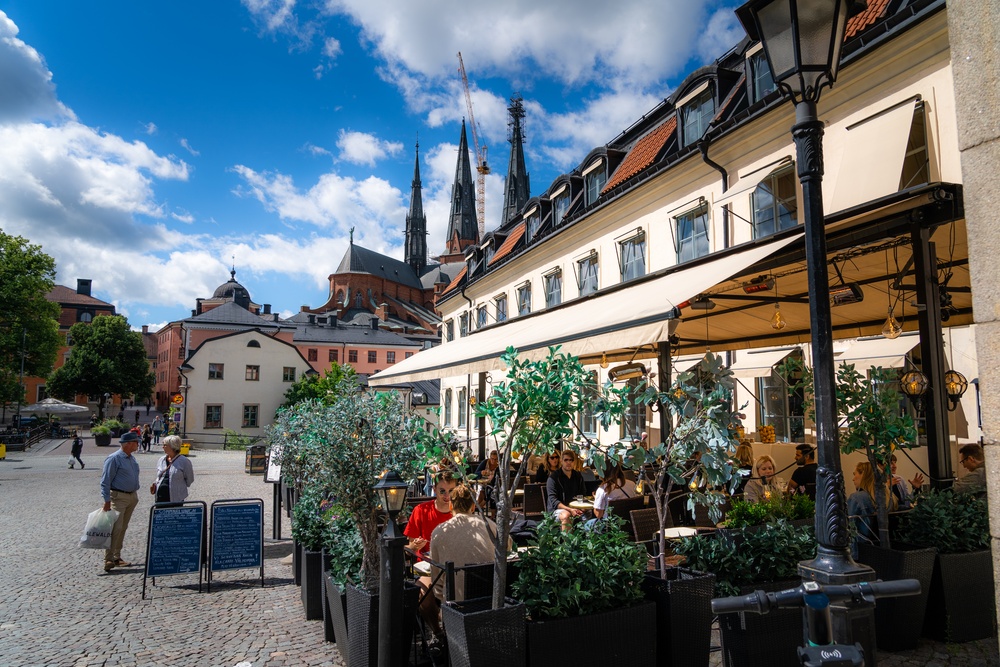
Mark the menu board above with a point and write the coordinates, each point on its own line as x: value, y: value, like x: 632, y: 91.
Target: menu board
x: 273, y: 473
x: 175, y: 540
x: 237, y: 535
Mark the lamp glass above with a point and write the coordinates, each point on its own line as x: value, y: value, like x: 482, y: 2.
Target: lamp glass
x: 913, y: 384
x: 392, y: 488
x: 777, y: 321
x: 955, y: 385
x: 892, y: 329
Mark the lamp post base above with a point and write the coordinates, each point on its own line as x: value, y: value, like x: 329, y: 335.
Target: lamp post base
x: 854, y: 623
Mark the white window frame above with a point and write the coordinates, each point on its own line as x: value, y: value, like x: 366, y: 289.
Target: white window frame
x: 524, y: 299
x: 588, y: 274
x: 629, y: 259
x: 553, y: 288
x: 500, y: 302
x: 687, y: 245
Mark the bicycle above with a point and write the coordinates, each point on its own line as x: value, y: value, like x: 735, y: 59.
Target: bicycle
x: 820, y: 649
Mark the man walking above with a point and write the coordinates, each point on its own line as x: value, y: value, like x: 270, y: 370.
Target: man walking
x: 157, y: 430
x: 119, y: 484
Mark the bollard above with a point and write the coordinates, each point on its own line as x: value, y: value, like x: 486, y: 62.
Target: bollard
x: 3, y: 451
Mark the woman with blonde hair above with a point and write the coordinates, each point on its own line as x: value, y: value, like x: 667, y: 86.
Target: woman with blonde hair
x: 766, y: 484
x: 861, y: 503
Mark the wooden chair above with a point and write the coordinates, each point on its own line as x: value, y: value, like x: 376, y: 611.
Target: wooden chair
x: 534, y: 501
x: 701, y: 518
x: 645, y: 523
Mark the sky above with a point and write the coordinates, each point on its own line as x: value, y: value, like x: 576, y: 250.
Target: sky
x: 151, y: 146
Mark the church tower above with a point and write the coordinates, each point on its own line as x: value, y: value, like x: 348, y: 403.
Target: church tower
x: 416, y: 224
x: 463, y: 229
x: 517, y: 189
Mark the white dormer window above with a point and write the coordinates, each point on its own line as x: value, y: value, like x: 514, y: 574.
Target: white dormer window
x: 759, y: 75
x: 696, y: 111
x: 532, y: 222
x: 594, y: 180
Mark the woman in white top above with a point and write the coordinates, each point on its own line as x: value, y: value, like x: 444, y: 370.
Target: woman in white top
x: 614, y: 487
x: 765, y: 484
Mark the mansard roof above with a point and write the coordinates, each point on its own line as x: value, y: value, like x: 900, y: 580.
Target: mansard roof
x: 362, y: 260
x: 230, y: 313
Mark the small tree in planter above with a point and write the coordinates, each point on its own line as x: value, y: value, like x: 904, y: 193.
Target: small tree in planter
x: 309, y: 531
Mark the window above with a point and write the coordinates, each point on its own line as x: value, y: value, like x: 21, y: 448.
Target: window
x: 696, y: 114
x: 634, y: 421
x: 553, y: 289
x: 352, y: 356
x: 692, y: 234
x: 253, y: 373
x: 760, y: 76
x: 288, y: 374
x: 215, y: 371
x: 462, y: 404
x: 463, y: 325
x: 559, y: 208
x: 524, y: 299
x: 250, y: 416
x: 588, y: 415
x: 213, y: 416
x: 334, y: 356
x: 407, y: 355
x: 372, y: 357
x: 501, y: 303
x: 586, y: 272
x: 916, y: 169
x: 633, y: 257
x: 359, y: 301
x: 390, y: 357
x: 253, y: 343
x: 774, y: 205
x: 86, y: 317
x: 594, y: 182
x: 482, y: 319
x: 780, y: 408
x: 447, y: 407
x: 449, y: 330
x: 533, y: 223
x: 311, y: 354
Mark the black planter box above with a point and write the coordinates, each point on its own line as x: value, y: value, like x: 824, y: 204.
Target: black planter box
x: 333, y: 597
x: 337, y: 599
x: 362, y: 626
x: 771, y: 639
x: 479, y: 636
x: 312, y: 584
x: 624, y: 636
x: 899, y: 621
x: 102, y: 439
x: 683, y: 616
x: 961, y: 603
x: 296, y: 563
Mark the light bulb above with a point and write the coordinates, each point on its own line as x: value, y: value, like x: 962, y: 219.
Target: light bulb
x: 891, y: 328
x: 638, y: 487
x: 777, y: 321
x: 604, y: 360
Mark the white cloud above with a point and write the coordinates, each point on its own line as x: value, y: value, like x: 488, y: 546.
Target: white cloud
x: 362, y: 148
x: 331, y: 47
x: 187, y: 147
x: 313, y: 149
x: 279, y: 17
x: 150, y: 128
x: 183, y: 216
x: 28, y: 91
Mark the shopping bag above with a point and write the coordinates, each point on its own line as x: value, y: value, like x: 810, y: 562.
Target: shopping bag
x: 97, y: 532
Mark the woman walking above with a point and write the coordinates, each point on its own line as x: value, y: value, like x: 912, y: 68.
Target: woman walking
x: 76, y: 449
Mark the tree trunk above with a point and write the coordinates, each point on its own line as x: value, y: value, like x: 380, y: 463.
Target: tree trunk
x: 881, y: 505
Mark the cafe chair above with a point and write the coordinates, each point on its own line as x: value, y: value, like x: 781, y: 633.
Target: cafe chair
x: 645, y: 523
x: 534, y: 501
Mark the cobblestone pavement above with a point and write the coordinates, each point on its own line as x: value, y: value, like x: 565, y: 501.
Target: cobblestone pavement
x: 59, y: 608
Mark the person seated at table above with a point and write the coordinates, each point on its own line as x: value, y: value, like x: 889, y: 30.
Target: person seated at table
x: 744, y: 461
x: 904, y: 497
x: 430, y: 514
x: 563, y: 486
x: 971, y: 458
x: 766, y: 484
x: 614, y: 486
x: 549, y: 466
x: 804, y: 478
x: 465, y: 539
x: 486, y: 478
x: 431, y: 473
x: 861, y: 503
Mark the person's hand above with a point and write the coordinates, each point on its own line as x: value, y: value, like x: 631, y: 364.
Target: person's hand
x: 917, y: 481
x: 152, y: 489
x: 575, y: 512
x: 417, y: 543
x: 107, y: 506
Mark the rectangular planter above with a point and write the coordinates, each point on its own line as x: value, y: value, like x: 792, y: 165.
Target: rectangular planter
x: 330, y: 598
x: 479, y: 636
x: 899, y: 621
x: 362, y: 625
x: 312, y: 584
x: 624, y: 636
x: 337, y: 599
x: 770, y: 639
x: 296, y: 563
x: 961, y: 604
x: 683, y: 616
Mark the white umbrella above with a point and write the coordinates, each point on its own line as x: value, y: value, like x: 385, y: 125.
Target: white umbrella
x: 52, y: 406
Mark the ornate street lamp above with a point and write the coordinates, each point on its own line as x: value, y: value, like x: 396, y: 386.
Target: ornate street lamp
x: 914, y: 385
x: 955, y: 385
x: 392, y: 490
x: 802, y: 40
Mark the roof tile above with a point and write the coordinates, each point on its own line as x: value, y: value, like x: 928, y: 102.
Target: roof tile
x: 643, y: 153
x: 866, y: 18
x: 508, y: 245
x: 454, y: 283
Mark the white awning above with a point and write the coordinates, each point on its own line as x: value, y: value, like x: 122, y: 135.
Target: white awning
x: 865, y: 353
x: 758, y: 363
x: 634, y: 315
x: 685, y: 362
x: 872, y: 160
x: 751, y: 180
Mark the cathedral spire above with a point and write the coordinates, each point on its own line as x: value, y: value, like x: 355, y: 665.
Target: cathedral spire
x: 416, y: 223
x: 463, y: 229
x: 517, y: 188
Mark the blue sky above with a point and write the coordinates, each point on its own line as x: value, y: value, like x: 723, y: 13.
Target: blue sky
x: 147, y: 144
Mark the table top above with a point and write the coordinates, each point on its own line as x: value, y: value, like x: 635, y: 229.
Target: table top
x: 582, y: 504
x: 679, y: 531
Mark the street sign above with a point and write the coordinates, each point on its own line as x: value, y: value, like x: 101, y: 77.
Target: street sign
x: 177, y: 398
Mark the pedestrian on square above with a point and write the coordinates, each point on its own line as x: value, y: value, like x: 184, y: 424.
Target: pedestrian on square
x: 136, y: 416
x: 147, y: 437
x: 119, y: 486
x: 157, y: 430
x: 76, y: 449
x: 174, y: 473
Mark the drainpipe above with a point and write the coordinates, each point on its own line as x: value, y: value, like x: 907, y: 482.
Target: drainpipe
x: 703, y: 145
x: 481, y: 422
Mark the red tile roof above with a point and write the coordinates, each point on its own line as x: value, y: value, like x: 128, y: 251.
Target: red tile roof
x: 508, y: 245
x: 866, y: 18
x: 643, y: 153
x: 454, y: 283
x: 68, y: 295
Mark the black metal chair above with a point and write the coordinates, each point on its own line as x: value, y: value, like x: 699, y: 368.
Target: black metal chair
x: 623, y: 507
x: 646, y: 523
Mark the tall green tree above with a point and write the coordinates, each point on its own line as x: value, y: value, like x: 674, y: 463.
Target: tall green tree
x: 107, y: 357
x: 327, y: 388
x: 29, y: 323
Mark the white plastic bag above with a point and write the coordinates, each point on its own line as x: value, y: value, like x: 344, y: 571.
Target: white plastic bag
x: 97, y: 532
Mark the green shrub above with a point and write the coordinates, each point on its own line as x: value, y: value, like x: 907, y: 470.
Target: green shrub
x: 100, y: 429
x: 577, y: 572
x: 342, y: 544
x: 953, y: 523
x: 309, y: 527
x: 793, y: 508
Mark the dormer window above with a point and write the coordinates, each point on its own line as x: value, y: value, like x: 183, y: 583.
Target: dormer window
x: 553, y: 288
x: 774, y: 203
x: 692, y: 234
x: 560, y: 204
x: 595, y: 177
x: 759, y: 75
x: 696, y: 111
x: 532, y: 222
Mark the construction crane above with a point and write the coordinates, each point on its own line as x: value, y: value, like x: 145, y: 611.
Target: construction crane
x: 482, y: 167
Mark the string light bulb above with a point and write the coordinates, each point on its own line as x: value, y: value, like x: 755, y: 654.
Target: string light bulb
x: 777, y: 321
x: 892, y: 328
x: 604, y: 360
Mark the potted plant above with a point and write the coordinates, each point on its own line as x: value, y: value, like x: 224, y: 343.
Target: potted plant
x: 102, y: 435
x: 342, y: 564
x: 308, y: 531
x: 767, y: 559
x: 115, y: 427
x: 580, y: 584
x: 961, y: 605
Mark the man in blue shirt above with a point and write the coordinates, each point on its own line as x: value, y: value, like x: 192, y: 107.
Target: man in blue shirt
x: 119, y: 486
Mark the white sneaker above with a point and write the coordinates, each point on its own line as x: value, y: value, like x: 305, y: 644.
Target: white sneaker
x: 71, y: 467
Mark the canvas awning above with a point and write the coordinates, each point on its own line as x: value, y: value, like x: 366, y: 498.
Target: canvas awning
x: 685, y: 362
x: 758, y: 363
x: 751, y: 180
x: 865, y: 353
x: 629, y: 315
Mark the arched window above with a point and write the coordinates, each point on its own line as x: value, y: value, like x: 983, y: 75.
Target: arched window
x: 253, y: 343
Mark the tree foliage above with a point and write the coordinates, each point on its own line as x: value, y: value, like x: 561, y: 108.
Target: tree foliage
x: 326, y: 388
x: 30, y: 320
x: 106, y: 357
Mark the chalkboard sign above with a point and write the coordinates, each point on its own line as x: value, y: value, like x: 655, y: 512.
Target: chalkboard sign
x: 175, y: 540
x: 237, y: 535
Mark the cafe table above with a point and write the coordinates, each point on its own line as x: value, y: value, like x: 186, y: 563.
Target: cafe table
x: 582, y: 504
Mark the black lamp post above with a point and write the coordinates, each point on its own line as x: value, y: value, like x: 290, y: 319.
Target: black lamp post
x: 392, y: 490
x: 802, y: 41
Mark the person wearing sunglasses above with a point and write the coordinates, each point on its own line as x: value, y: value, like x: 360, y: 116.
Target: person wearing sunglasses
x: 563, y: 486
x: 549, y: 465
